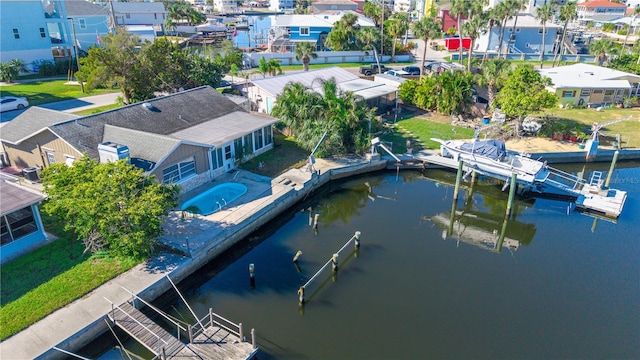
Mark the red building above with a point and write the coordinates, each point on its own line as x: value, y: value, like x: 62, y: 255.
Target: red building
x: 449, y: 21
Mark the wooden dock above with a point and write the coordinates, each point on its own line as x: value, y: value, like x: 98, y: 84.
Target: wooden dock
x: 212, y: 337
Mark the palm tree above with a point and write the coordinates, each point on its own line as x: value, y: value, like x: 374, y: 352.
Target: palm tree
x: 305, y: 51
x: 425, y: 29
x: 517, y: 6
x: 492, y: 74
x: 492, y: 18
x: 458, y: 8
x: 567, y: 13
x: 544, y: 13
x: 269, y: 67
x: 472, y: 29
x: 10, y: 70
x: 600, y: 48
x: 510, y: 9
x: 501, y: 12
x: 636, y: 11
x: 396, y: 26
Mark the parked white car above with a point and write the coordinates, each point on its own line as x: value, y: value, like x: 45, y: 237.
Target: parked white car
x: 399, y: 73
x: 13, y: 103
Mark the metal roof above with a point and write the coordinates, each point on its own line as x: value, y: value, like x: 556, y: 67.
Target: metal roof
x: 15, y: 198
x: 274, y: 85
x: 318, y: 20
x: 225, y: 128
x: 588, y: 76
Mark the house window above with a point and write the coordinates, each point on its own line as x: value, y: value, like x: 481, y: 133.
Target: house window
x: 527, y: 45
x: 304, y: 31
x: 585, y: 92
x: 179, y: 172
x: 608, y: 92
x: 517, y: 29
x: 248, y: 144
x: 127, y: 15
x: 216, y: 159
x: 155, y: 16
x: 17, y: 224
x: 568, y: 94
x: 540, y: 31
x: 597, y: 91
x: 83, y: 23
x: 51, y: 157
x: 268, y: 135
x: 16, y: 34
x: 227, y: 152
x: 43, y: 33
x: 257, y: 139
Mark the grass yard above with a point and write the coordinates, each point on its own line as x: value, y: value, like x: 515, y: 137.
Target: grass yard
x: 42, y: 92
x: 97, y: 110
x: 419, y: 131
x: 37, y: 284
x: 285, y: 155
x: 630, y: 130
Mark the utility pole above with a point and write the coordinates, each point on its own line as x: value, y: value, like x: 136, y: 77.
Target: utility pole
x: 75, y: 48
x: 113, y: 17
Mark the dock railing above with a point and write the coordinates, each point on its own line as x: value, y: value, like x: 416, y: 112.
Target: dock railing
x: 171, y: 320
x: 161, y: 342
x: 213, y: 319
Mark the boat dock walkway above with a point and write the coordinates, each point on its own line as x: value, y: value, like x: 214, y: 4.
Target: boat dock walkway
x: 208, y: 338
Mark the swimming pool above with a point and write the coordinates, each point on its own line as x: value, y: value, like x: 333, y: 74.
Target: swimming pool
x: 215, y: 198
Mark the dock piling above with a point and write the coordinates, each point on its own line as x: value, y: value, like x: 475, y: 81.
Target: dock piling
x: 611, y: 168
x: 334, y: 262
x: 512, y: 193
x: 458, y: 180
x: 356, y: 241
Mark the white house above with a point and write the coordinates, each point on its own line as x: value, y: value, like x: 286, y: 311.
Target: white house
x: 226, y: 6
x: 151, y: 14
x: 590, y: 85
x: 263, y: 93
x: 279, y: 5
x: 403, y: 5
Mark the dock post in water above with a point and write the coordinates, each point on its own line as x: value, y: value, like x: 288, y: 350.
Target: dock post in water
x: 301, y: 294
x: 458, y: 180
x: 356, y: 241
x: 253, y: 338
x: 512, y: 193
x: 334, y: 262
x: 611, y: 168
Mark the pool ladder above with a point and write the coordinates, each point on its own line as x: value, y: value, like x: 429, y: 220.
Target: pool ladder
x: 220, y: 205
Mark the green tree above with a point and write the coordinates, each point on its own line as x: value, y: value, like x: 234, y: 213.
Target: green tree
x: 10, y: 70
x: 396, y: 26
x: 493, y: 74
x: 305, y: 51
x: 492, y: 17
x: 308, y: 114
x: 627, y: 63
x: 567, y: 12
x: 425, y: 29
x: 112, y: 207
x: 447, y: 93
x: 524, y: 92
x: 600, y: 48
x: 342, y: 35
x: 368, y: 39
x: 227, y: 56
x: 543, y: 14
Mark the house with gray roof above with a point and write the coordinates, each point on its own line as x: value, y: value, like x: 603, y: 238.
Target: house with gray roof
x: 140, y: 16
x: 186, y: 138
x: 591, y: 85
x: 21, y: 225
x: 263, y: 93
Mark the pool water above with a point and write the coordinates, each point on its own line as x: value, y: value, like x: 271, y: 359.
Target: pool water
x: 215, y: 198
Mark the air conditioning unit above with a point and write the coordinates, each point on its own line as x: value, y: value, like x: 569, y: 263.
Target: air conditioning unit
x: 112, y: 152
x: 32, y: 174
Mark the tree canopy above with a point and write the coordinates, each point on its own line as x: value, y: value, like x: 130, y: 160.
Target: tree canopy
x: 525, y: 92
x: 140, y: 71
x: 112, y: 207
x: 448, y: 93
x: 308, y: 114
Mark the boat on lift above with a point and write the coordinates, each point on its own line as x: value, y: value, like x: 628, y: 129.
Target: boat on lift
x: 492, y: 157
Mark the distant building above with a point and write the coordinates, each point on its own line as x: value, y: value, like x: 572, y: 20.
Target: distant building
x: 91, y: 22
x: 599, y: 11
x: 226, y: 6
x: 403, y: 6
x: 324, y: 5
x: 279, y: 5
x: 148, y: 14
x: 527, y: 37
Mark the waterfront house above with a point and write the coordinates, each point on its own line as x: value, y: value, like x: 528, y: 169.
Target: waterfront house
x: 287, y: 30
x: 325, y: 5
x: 90, y: 22
x: 21, y: 225
x: 590, y: 85
x: 526, y: 39
x: 263, y: 93
x: 140, y: 17
x: 226, y: 6
x: 187, y: 138
x: 32, y: 31
x: 599, y: 11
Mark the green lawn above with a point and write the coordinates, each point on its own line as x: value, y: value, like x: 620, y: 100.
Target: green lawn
x: 42, y: 92
x: 285, y: 155
x: 37, y: 284
x: 97, y: 109
x: 419, y: 131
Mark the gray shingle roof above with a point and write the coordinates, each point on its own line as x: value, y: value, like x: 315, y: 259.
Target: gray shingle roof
x: 84, y: 8
x: 164, y: 116
x: 143, y: 145
x: 32, y: 120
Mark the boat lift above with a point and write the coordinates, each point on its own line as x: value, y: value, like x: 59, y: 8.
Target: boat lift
x: 592, y: 144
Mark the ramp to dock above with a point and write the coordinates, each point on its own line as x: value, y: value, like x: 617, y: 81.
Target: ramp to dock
x: 145, y: 330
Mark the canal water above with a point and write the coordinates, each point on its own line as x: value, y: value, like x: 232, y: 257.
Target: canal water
x: 424, y: 284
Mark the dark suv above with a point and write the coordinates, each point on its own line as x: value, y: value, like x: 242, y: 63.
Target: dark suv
x: 412, y: 70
